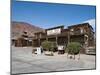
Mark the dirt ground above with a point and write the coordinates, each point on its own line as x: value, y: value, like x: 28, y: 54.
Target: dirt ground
x: 23, y: 61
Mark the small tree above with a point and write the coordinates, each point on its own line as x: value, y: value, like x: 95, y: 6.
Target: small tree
x: 74, y: 48
x: 53, y: 46
x: 48, y: 46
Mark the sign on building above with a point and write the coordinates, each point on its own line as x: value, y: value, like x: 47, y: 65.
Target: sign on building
x: 54, y: 31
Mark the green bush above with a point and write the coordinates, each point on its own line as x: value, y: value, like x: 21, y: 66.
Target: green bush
x: 46, y: 45
x: 53, y: 46
x: 74, y: 48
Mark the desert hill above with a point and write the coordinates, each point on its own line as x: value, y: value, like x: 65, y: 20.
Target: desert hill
x: 17, y: 28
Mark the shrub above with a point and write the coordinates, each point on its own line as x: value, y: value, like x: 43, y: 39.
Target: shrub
x: 74, y: 48
x: 46, y: 45
x: 50, y: 46
x: 53, y: 47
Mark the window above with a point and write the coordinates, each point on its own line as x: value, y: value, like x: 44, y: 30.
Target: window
x: 81, y: 30
x: 72, y: 30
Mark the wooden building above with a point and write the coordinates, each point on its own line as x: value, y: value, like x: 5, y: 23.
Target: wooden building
x: 22, y: 41
x: 82, y: 33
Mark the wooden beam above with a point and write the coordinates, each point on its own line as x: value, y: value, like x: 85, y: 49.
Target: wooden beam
x: 56, y: 40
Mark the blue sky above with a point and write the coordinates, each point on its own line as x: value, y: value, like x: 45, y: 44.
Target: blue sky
x: 48, y: 15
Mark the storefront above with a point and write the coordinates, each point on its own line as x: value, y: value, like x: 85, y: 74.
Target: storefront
x: 81, y: 33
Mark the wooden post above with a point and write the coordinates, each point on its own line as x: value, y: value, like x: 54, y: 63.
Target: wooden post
x: 46, y: 38
x: 68, y: 37
x: 33, y: 43
x: 39, y: 41
x: 27, y: 43
x: 68, y: 41
x: 84, y: 42
x: 56, y: 40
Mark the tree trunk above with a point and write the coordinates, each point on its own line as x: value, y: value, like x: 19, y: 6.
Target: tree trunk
x: 79, y: 56
x: 74, y: 56
x: 67, y: 55
x: 52, y: 53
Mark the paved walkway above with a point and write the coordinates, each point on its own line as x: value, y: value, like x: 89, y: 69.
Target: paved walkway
x: 24, y: 62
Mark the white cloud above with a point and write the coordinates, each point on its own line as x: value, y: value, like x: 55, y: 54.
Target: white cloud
x: 92, y: 22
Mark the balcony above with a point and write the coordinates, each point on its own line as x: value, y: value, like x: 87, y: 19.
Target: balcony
x: 76, y: 32
x: 39, y: 36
